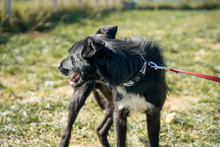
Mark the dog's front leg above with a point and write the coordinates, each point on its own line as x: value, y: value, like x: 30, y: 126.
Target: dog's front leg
x: 153, y: 126
x: 120, y: 122
x: 76, y: 103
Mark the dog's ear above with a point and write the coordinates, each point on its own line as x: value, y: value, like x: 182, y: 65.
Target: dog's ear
x: 92, y: 45
x: 108, y: 30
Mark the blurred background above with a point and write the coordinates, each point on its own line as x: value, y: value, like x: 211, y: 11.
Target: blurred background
x: 41, y: 15
x: 35, y: 36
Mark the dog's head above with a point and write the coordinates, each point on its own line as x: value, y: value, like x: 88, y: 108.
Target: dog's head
x: 78, y: 64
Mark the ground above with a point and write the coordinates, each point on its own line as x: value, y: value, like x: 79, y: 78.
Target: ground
x: 34, y: 96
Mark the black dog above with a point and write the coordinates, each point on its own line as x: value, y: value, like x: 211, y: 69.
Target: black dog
x: 117, y: 72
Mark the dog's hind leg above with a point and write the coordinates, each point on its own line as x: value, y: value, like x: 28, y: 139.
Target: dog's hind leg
x: 76, y: 103
x: 103, y: 128
x: 153, y: 126
x: 103, y: 96
x: 100, y: 98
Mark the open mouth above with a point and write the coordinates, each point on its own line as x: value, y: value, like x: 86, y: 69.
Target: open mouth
x: 74, y: 78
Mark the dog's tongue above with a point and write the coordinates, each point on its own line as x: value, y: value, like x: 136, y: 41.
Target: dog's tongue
x: 71, y: 80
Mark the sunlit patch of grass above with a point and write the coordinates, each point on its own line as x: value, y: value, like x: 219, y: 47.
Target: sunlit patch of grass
x: 35, y: 96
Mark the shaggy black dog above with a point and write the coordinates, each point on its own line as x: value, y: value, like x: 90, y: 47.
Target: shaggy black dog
x: 118, y: 73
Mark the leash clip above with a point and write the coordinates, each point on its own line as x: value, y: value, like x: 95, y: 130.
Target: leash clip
x: 156, y: 67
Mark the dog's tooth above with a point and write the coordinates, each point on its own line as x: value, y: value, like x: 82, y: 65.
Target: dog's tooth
x: 69, y: 80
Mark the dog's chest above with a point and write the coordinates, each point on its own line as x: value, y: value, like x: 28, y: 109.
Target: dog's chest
x: 133, y: 102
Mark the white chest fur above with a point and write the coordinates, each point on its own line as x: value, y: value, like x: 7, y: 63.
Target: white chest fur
x: 134, y: 102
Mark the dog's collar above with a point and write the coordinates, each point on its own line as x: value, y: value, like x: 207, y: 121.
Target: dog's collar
x: 138, y: 76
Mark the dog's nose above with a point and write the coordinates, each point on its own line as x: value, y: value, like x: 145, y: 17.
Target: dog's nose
x: 58, y: 66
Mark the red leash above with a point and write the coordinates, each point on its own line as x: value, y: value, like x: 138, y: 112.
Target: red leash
x: 212, y: 78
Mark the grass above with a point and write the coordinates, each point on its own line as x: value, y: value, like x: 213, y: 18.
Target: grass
x: 183, y: 5
x: 34, y: 96
x: 25, y: 15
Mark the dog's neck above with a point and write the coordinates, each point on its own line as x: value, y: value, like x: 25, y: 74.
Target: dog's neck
x: 119, y: 67
x: 136, y: 78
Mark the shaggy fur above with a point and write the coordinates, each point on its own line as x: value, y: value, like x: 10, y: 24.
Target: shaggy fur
x: 100, y: 59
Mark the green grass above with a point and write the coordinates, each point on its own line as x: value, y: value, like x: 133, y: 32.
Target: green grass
x: 41, y: 16
x: 183, y: 5
x: 34, y: 96
x: 25, y: 15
